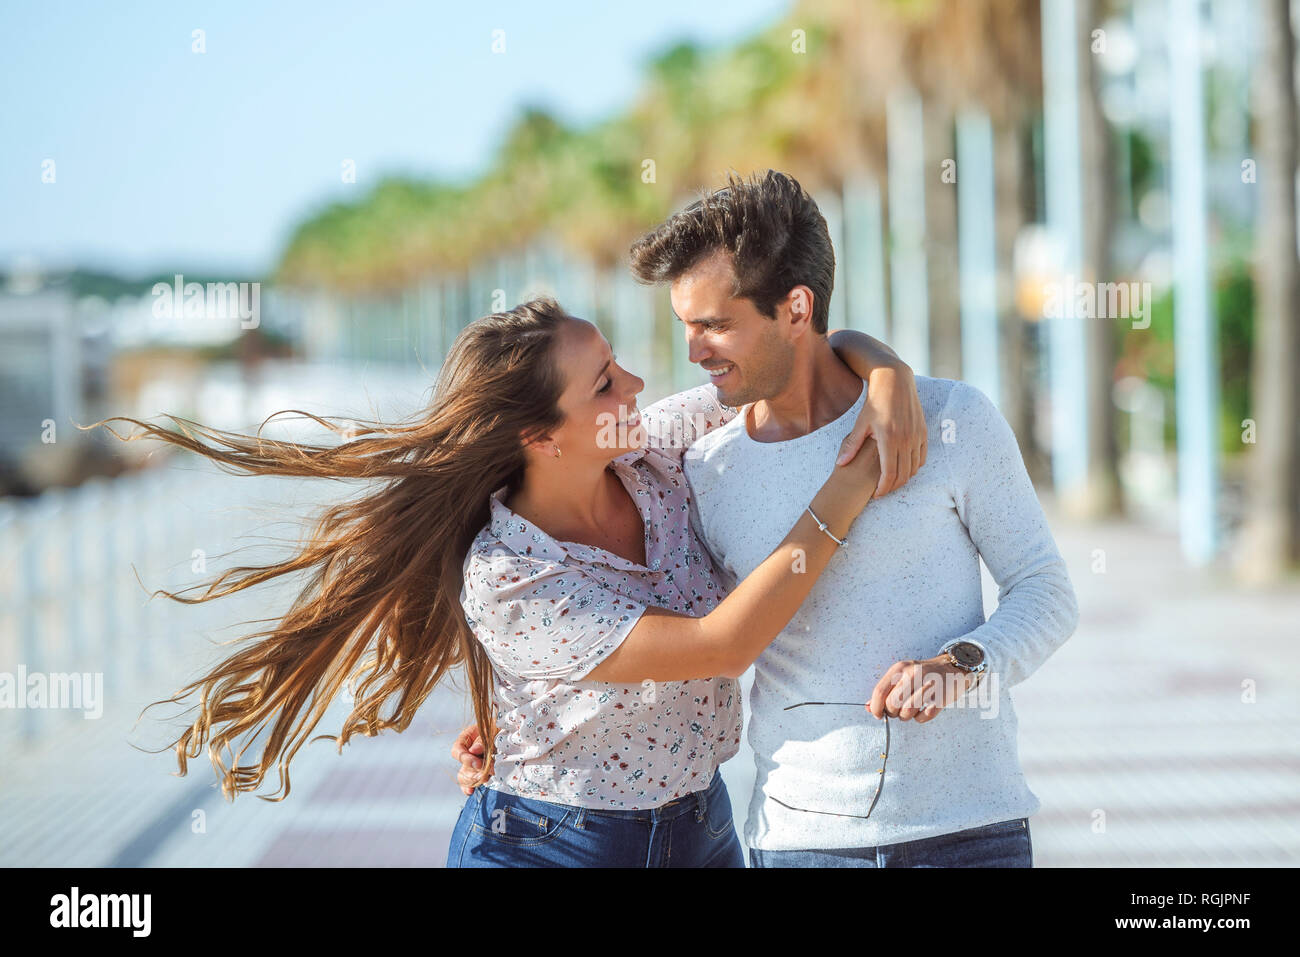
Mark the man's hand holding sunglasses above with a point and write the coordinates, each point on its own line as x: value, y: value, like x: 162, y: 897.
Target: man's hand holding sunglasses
x: 917, y: 690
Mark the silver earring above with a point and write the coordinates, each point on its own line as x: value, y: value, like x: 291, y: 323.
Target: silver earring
x: 557, y: 451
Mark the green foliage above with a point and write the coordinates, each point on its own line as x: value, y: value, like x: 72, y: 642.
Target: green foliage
x: 1150, y: 352
x: 1234, y: 311
x: 1143, y: 165
x: 700, y: 112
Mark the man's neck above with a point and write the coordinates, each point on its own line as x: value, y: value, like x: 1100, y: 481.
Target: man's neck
x: 820, y: 390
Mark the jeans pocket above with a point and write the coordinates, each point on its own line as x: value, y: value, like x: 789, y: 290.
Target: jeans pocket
x: 1001, y: 844
x: 520, y: 821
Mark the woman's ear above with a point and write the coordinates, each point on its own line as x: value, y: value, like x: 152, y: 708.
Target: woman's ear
x: 538, y: 441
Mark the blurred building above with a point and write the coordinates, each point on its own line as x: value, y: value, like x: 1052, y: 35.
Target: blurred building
x: 43, y: 384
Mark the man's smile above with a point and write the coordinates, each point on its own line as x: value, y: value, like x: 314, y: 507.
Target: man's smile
x: 719, y: 371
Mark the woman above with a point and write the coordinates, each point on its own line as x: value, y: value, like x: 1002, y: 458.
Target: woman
x: 614, y: 652
x: 406, y: 584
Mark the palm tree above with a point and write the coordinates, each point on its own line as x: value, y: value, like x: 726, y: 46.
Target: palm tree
x: 1102, y: 489
x: 986, y: 55
x: 1270, y: 538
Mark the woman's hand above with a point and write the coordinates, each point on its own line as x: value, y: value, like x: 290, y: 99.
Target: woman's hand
x: 468, y: 752
x: 848, y: 490
x: 892, y: 413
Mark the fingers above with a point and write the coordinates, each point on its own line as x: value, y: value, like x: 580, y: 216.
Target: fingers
x: 901, y: 693
x: 898, y: 468
x: 851, y: 444
x: 470, y: 761
x: 888, y: 465
x: 914, y: 694
x: 467, y: 750
x: 898, y: 695
x: 471, y: 773
x: 878, y: 694
x: 920, y: 435
x: 459, y: 746
x: 927, y: 714
x: 902, y: 454
x: 914, y: 703
x: 465, y: 741
x: 468, y: 780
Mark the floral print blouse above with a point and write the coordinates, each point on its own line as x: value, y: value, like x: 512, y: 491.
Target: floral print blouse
x: 548, y: 612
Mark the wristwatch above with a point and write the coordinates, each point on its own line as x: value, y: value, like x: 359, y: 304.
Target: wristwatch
x: 969, y: 656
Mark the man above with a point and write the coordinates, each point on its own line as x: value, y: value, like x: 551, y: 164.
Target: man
x: 927, y: 774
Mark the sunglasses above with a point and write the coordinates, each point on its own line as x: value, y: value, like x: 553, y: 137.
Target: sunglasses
x: 880, y: 774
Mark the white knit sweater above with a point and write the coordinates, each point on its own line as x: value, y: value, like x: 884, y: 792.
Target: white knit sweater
x: 908, y: 582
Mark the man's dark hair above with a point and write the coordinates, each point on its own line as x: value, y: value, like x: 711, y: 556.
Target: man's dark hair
x: 776, y: 235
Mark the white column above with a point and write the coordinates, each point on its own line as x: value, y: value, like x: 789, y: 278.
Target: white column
x: 1064, y: 187
x: 977, y: 250
x: 1195, y: 360
x: 864, y: 258
x: 907, y: 272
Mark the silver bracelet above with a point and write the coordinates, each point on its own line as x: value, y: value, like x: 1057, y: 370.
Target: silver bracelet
x: 841, y: 542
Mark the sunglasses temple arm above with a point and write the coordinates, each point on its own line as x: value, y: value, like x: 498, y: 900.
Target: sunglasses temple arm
x: 846, y: 704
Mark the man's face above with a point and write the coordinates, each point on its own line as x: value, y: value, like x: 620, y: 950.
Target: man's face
x: 748, y: 355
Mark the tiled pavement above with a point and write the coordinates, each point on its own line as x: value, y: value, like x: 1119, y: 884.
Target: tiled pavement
x: 1135, y: 736
x: 1165, y: 732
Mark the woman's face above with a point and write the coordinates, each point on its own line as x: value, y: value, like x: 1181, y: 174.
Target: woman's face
x: 601, y: 421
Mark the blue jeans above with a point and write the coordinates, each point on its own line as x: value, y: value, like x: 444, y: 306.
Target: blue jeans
x: 1004, y: 844
x: 498, y: 829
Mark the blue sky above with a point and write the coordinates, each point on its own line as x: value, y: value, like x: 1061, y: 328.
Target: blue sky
x: 169, y: 159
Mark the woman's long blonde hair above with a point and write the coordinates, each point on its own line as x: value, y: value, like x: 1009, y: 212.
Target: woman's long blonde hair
x: 384, y: 570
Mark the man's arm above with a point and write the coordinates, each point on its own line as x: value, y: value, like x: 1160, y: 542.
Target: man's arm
x: 1037, y: 609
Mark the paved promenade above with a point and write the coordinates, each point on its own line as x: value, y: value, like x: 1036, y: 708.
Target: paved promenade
x: 1165, y: 732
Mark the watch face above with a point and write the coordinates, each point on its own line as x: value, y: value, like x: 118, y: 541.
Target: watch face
x: 967, y: 655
